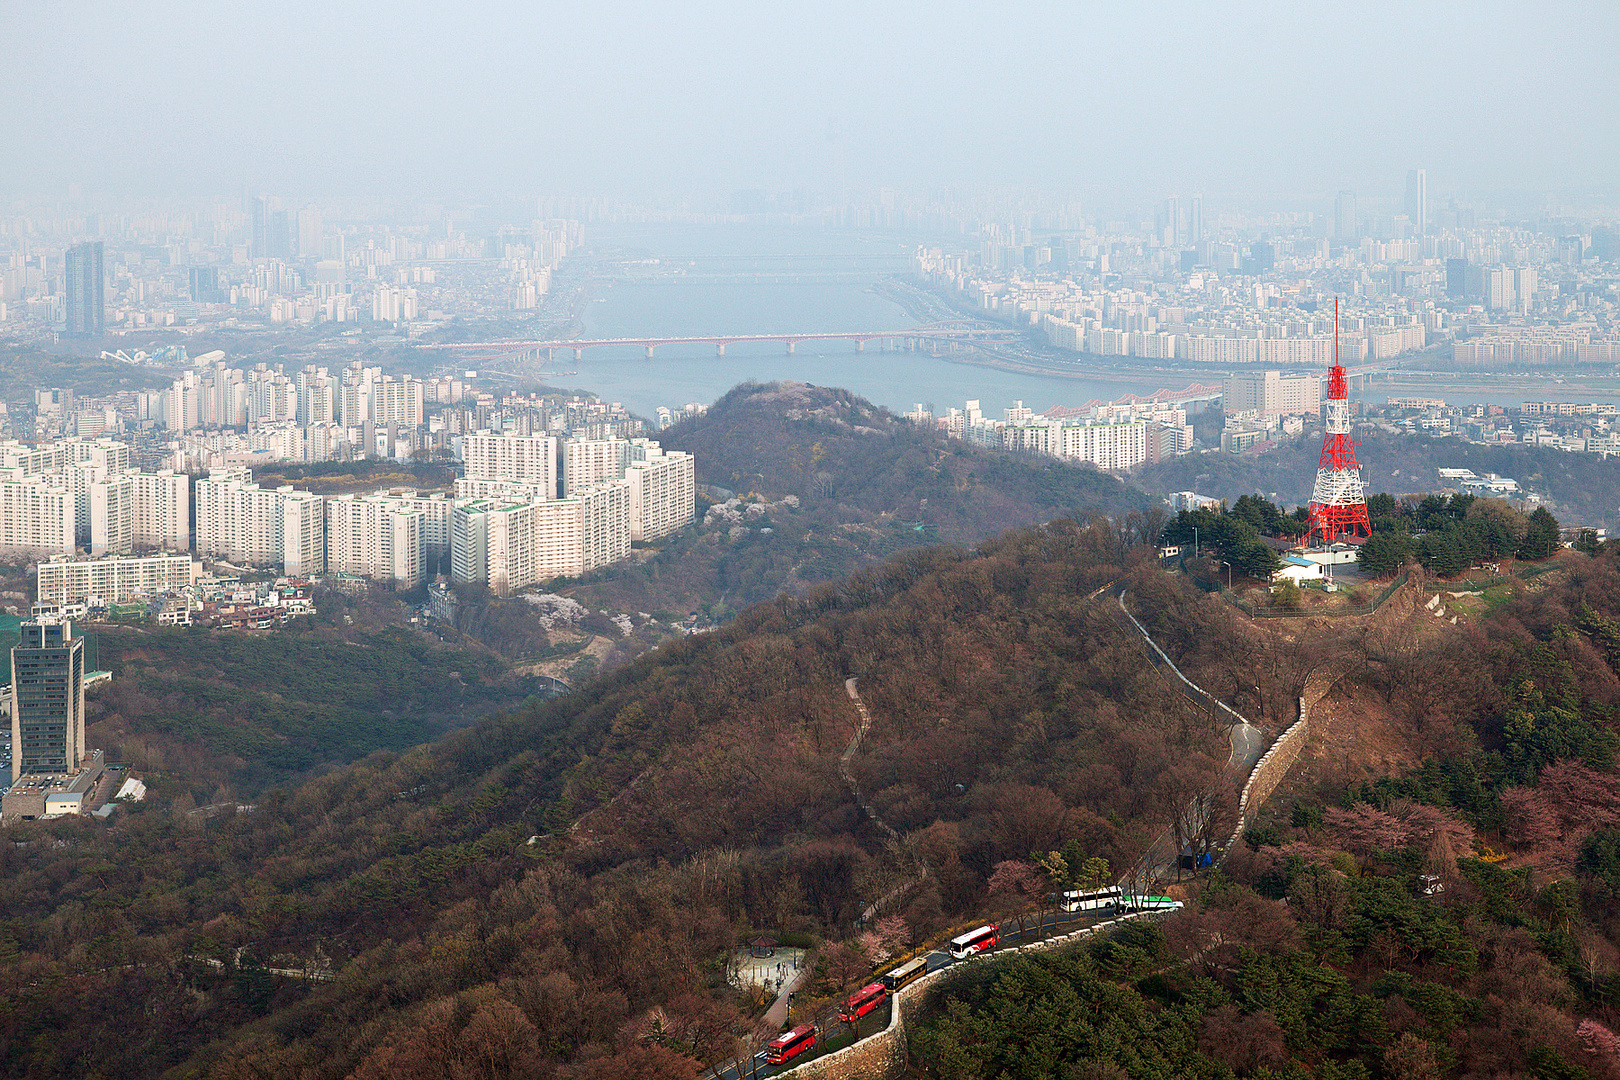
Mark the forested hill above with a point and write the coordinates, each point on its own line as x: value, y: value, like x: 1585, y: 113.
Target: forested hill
x: 833, y: 449
x: 836, y: 485
x: 524, y: 895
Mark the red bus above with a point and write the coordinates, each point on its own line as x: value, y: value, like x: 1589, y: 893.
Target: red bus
x: 862, y: 1002
x: 975, y: 941
x: 790, y: 1044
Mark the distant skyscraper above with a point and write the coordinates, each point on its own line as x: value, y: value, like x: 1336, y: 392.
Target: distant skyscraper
x: 262, y: 207
x: 309, y: 233
x: 1344, y: 217
x: 272, y: 229
x: 1195, y: 221
x: 86, y: 290
x: 47, y: 711
x: 1456, y: 278
x: 1167, y: 222
x: 281, y: 235
x: 205, y: 284
x: 1417, y: 200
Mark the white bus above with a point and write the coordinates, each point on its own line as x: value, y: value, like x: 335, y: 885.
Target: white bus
x: 975, y: 941
x: 1151, y: 903
x: 1103, y: 899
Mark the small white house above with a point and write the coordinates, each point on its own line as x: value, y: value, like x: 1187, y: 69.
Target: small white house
x: 1336, y: 555
x: 1297, y: 570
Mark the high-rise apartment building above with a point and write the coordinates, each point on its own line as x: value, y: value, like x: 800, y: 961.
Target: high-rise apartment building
x: 162, y: 517
x: 663, y: 491
x: 492, y: 541
x: 86, y: 290
x: 113, y: 580
x: 589, y: 462
x: 1417, y: 200
x: 378, y: 537
x: 597, y: 520
x: 396, y: 401
x: 1344, y: 218
x: 1271, y: 393
x: 38, y: 514
x: 237, y: 519
x: 47, y: 699
x: 317, y: 396
x: 527, y: 459
x: 112, y: 515
x: 511, y: 543
x: 1109, y: 446
x: 435, y: 508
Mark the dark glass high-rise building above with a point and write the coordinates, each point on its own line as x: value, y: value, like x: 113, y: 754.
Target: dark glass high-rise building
x: 205, y: 285
x: 86, y: 290
x: 272, y: 229
x: 47, y: 701
x: 1456, y: 278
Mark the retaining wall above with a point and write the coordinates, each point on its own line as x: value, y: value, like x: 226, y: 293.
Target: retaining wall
x: 1274, y: 764
x: 882, y: 1056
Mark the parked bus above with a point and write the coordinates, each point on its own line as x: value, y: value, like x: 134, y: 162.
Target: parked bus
x: 862, y: 1002
x: 905, y: 973
x: 975, y: 941
x: 790, y: 1044
x: 1151, y: 903
x: 1100, y: 900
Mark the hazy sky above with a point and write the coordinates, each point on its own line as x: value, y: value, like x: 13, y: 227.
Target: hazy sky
x: 630, y: 98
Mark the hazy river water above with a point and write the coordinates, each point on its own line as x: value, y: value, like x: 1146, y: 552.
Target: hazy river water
x: 671, y: 307
x: 757, y: 296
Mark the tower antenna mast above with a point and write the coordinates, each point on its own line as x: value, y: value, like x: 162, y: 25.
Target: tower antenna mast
x: 1338, y: 502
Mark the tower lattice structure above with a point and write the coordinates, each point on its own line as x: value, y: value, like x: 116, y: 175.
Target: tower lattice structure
x: 1338, y: 503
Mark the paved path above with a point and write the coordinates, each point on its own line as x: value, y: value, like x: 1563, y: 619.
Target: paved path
x: 1247, y: 746
x: 777, y: 1013
x: 1247, y: 741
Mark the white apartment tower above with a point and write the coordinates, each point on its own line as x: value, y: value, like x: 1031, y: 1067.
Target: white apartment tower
x: 37, y: 515
x: 1271, y: 393
x: 114, y: 580
x: 1110, y: 447
x: 589, y: 462
x: 663, y: 492
x: 526, y: 459
x: 162, y: 510
x: 237, y: 519
x: 112, y: 515
x: 377, y: 537
x: 492, y: 540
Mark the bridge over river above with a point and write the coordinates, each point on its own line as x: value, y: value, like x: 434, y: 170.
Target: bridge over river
x: 910, y: 340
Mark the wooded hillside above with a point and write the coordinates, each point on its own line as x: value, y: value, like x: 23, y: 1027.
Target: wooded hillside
x: 842, y: 484
x: 677, y: 805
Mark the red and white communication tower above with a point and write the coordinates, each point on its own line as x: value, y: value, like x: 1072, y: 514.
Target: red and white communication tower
x: 1338, y: 503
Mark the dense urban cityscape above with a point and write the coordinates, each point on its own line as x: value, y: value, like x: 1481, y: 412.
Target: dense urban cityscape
x: 659, y: 541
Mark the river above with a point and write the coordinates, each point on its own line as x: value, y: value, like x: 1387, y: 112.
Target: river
x: 659, y: 303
